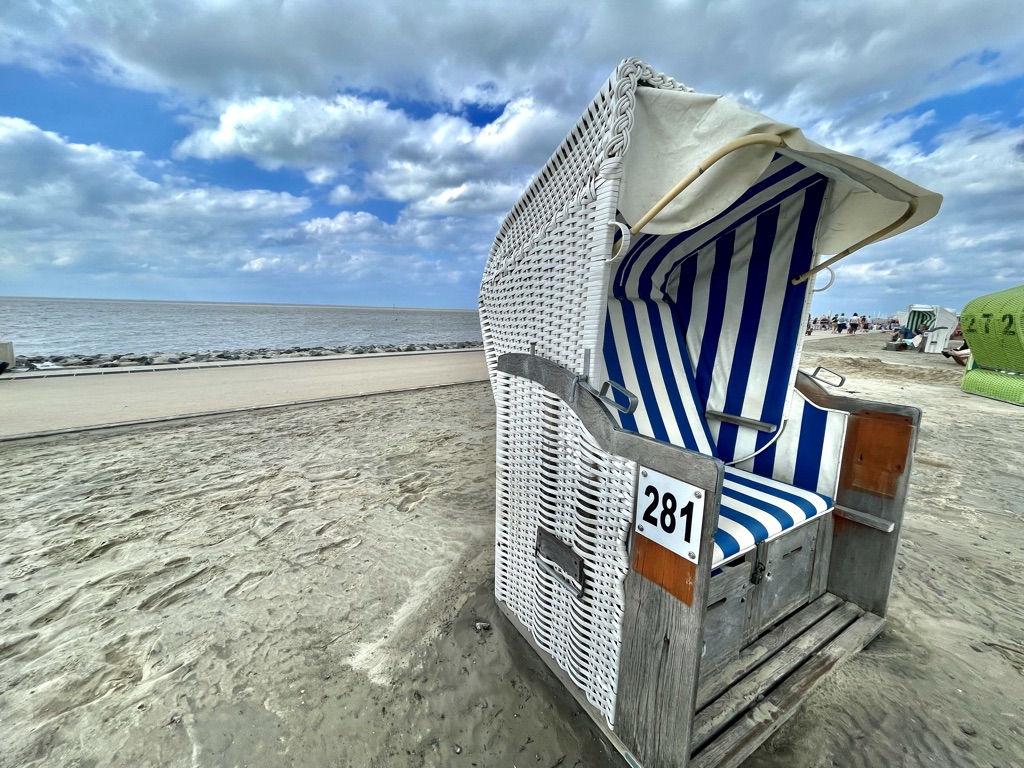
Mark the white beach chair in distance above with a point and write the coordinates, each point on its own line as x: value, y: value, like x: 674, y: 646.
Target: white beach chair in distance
x: 689, y: 531
x: 939, y: 321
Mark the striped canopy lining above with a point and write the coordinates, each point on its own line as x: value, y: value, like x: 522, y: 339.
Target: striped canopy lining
x: 920, y: 317
x: 727, y: 283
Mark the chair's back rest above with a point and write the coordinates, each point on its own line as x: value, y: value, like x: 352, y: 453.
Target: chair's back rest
x: 644, y: 351
x: 993, y: 326
x: 809, y: 451
x: 724, y: 288
x: 918, y: 317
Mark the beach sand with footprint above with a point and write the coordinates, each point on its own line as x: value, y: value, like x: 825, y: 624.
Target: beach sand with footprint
x: 302, y: 587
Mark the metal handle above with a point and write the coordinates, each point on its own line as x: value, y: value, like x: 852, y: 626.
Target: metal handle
x: 620, y: 252
x: 559, y: 561
x: 815, y: 376
x: 741, y: 421
x: 831, y: 279
x: 630, y: 407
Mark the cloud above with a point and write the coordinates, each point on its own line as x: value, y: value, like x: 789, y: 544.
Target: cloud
x: 86, y: 207
x: 872, y: 54
x: 76, y: 212
x: 436, y: 163
x: 343, y: 195
x: 433, y: 123
x: 973, y: 246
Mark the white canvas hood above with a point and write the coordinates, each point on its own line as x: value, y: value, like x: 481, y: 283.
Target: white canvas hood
x: 675, y: 130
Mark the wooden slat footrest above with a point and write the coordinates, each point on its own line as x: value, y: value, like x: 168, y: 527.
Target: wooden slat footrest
x: 734, y: 725
x: 713, y: 685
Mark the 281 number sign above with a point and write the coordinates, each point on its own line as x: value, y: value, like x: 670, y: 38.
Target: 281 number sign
x: 670, y: 512
x: 666, y: 515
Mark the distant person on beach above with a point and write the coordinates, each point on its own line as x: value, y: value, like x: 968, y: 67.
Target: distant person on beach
x: 907, y: 339
x: 958, y: 356
x: 854, y: 324
x: 841, y: 322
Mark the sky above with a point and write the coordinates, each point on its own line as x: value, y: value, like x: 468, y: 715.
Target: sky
x: 330, y: 152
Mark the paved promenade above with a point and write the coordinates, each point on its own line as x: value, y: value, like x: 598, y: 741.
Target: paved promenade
x: 52, y: 402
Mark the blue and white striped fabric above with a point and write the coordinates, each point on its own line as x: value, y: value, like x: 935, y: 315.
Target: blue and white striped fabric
x: 709, y: 320
x: 758, y: 509
x: 644, y: 352
x: 729, y: 281
x: 808, y: 452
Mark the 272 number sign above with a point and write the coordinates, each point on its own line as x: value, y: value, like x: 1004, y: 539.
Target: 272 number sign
x: 670, y: 512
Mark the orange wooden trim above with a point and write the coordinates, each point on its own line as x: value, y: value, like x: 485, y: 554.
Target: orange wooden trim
x: 876, y: 452
x: 675, y: 574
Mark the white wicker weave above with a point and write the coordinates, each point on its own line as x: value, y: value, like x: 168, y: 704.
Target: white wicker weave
x: 545, y: 278
x: 552, y: 474
x: 544, y: 290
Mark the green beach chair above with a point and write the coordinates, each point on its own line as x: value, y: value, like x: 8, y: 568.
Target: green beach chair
x: 993, y: 326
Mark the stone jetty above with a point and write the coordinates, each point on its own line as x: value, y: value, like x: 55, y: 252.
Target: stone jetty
x: 43, y: 362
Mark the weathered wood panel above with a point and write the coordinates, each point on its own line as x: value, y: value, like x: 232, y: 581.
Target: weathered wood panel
x: 873, y: 481
x: 660, y: 658
x: 737, y: 743
x: 712, y: 685
x: 718, y: 714
x: 675, y: 574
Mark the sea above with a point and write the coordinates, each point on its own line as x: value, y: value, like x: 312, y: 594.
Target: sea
x: 44, y: 326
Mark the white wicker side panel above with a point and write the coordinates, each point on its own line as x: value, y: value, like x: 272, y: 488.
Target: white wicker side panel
x: 539, y: 304
x: 551, y: 473
x: 545, y: 280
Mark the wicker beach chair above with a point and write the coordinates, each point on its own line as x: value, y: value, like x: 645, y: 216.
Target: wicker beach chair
x: 939, y: 321
x: 689, y: 531
x: 993, y: 327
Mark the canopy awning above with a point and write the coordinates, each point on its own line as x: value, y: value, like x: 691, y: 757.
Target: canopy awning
x: 674, y: 131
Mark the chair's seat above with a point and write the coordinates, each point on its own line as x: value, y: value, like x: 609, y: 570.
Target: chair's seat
x: 757, y: 509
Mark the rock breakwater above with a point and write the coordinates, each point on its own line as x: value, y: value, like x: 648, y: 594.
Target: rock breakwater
x: 44, y: 362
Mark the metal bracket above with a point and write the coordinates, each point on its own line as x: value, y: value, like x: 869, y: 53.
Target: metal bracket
x: 760, y: 563
x: 560, y: 561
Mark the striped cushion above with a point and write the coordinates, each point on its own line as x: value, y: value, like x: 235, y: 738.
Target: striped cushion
x: 808, y: 452
x: 758, y: 509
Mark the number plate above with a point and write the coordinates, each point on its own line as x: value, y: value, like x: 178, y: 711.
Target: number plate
x: 669, y: 512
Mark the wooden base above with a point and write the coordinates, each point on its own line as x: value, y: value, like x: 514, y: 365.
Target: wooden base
x: 730, y: 728
x: 744, y: 702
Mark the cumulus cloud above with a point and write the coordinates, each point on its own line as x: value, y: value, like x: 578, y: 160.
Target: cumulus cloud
x: 874, y: 53
x: 383, y: 102
x: 436, y: 162
x: 75, y: 212
x: 90, y: 207
x: 974, y: 244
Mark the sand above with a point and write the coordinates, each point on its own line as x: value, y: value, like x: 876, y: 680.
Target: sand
x: 303, y: 586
